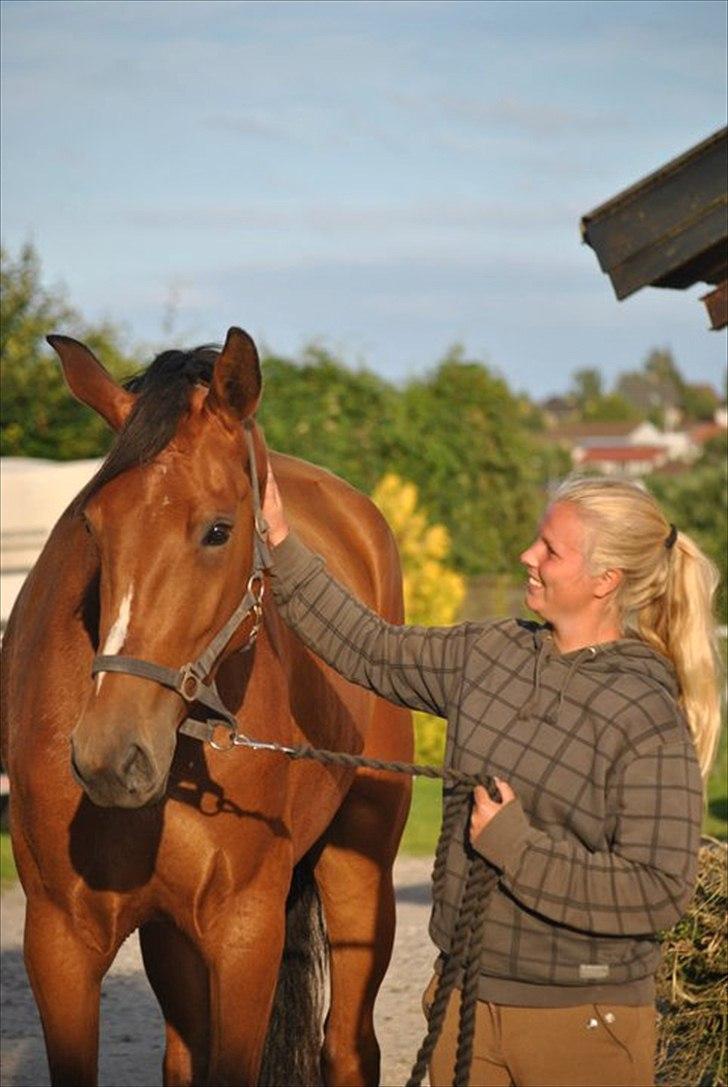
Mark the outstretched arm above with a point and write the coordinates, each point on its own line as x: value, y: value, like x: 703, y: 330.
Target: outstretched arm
x: 416, y: 667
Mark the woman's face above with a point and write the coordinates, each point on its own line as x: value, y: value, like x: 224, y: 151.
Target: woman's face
x: 560, y: 587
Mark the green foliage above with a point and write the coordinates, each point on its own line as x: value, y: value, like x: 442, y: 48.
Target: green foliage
x: 430, y: 733
x: 40, y: 418
x: 8, y: 874
x: 479, y: 471
x: 697, y: 501
x: 699, y: 402
x: 471, y: 447
x: 423, y: 825
x: 715, y: 822
x: 323, y: 412
x: 433, y: 593
x: 659, y: 387
x: 611, y: 408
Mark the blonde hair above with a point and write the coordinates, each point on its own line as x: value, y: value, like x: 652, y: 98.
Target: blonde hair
x: 666, y: 593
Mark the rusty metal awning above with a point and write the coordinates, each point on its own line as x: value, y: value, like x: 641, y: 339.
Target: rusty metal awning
x: 670, y: 229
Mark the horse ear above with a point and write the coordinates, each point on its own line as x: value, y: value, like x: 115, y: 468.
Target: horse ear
x: 90, y: 382
x: 236, y: 380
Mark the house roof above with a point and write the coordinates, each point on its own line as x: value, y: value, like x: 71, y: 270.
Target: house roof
x: 574, y: 431
x: 703, y: 432
x: 670, y: 228
x: 623, y: 453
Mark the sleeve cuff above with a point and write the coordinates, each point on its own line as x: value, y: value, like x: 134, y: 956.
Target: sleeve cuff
x: 293, y: 561
x: 505, y: 839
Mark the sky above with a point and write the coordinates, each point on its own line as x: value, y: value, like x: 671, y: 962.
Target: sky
x: 384, y: 179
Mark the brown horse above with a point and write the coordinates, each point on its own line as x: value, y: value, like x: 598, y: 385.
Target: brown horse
x: 118, y: 821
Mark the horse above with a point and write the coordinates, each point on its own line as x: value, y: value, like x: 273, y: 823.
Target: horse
x: 120, y: 819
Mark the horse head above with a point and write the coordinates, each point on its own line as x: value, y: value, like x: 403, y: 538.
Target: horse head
x: 170, y: 515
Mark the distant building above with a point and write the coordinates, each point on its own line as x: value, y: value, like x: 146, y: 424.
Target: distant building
x: 629, y: 460
x: 628, y: 448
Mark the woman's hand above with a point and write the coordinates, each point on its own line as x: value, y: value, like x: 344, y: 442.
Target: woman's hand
x: 273, y: 510
x: 484, y: 809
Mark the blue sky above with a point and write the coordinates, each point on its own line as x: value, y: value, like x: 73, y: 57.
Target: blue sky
x: 385, y: 178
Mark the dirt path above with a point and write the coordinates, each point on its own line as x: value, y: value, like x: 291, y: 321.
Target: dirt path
x: 131, y: 1025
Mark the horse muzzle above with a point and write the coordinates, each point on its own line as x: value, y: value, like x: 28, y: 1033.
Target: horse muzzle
x: 129, y: 779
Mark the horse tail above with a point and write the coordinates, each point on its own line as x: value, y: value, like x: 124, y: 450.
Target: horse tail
x: 292, y: 1053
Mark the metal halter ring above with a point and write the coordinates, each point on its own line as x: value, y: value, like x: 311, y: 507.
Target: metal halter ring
x: 189, y: 683
x: 231, y: 737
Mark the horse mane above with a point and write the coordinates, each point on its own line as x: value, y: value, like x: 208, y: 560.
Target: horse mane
x: 163, y: 391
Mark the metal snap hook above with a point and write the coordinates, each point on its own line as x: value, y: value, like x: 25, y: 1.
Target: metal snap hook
x: 256, y: 585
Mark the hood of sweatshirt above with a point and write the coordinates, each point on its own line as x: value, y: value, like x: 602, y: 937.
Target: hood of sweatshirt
x: 624, y: 656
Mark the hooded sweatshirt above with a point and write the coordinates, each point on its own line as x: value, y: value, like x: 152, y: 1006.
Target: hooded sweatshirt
x: 598, y: 853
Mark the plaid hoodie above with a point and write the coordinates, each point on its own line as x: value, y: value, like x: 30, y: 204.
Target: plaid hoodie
x: 599, y: 851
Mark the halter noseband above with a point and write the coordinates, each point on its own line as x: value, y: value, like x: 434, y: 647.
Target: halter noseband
x: 189, y: 680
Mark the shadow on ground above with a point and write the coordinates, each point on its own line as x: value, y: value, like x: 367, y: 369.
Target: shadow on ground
x: 129, y: 1017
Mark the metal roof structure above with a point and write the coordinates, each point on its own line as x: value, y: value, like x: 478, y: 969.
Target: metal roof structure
x: 670, y: 229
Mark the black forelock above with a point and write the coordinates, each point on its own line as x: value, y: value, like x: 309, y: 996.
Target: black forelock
x: 163, y: 393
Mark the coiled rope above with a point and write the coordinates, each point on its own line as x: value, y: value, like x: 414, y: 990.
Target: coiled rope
x: 463, y: 959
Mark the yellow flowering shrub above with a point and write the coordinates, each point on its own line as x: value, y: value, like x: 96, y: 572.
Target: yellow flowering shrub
x: 433, y: 593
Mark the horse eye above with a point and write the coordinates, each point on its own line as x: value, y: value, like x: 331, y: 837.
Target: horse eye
x: 217, y: 534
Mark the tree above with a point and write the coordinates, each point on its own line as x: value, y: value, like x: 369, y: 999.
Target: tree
x: 593, y: 404
x: 433, y: 592
x: 40, y: 417
x: 587, y: 386
x: 697, y: 502
x: 322, y: 411
x: 479, y: 470
x: 700, y: 402
x: 656, y: 389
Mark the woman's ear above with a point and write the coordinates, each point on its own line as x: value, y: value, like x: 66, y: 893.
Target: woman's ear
x: 608, y: 582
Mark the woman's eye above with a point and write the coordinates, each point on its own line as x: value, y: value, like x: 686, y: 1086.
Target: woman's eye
x: 217, y: 534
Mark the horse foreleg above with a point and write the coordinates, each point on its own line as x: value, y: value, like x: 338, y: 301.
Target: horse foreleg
x: 65, y: 974
x: 354, y: 876
x: 244, y: 952
x: 179, y: 978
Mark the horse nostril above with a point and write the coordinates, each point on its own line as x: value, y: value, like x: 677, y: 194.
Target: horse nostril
x: 137, y: 770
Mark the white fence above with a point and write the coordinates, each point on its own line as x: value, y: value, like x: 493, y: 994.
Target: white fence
x: 33, y: 495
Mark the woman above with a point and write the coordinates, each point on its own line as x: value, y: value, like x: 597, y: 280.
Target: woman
x: 596, y: 724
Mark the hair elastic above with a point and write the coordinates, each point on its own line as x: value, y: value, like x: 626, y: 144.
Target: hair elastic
x: 671, y: 537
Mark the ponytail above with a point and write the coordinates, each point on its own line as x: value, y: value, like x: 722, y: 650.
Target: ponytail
x: 666, y: 594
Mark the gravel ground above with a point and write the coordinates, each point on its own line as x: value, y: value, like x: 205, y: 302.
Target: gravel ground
x: 131, y: 1025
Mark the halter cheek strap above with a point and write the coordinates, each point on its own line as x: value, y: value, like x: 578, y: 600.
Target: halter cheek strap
x: 189, y: 680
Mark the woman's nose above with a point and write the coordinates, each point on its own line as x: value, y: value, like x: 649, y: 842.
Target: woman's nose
x: 527, y: 556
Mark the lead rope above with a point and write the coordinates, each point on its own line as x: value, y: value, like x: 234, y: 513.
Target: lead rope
x: 463, y: 959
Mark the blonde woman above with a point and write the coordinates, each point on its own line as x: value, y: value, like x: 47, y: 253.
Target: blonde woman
x: 597, y: 724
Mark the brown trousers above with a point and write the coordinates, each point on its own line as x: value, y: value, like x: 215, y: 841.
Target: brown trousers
x: 589, y: 1045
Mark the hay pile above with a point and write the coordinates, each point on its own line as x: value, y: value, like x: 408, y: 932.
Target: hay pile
x: 692, y: 999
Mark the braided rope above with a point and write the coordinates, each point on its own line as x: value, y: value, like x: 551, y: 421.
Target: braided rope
x: 467, y: 942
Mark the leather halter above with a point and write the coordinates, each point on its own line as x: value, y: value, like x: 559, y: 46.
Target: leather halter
x: 189, y: 680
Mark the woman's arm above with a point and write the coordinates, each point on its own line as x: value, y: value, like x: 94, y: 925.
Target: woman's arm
x: 416, y: 667
x: 641, y: 885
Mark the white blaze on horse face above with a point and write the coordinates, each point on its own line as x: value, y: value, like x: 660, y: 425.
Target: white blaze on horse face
x: 117, y: 633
